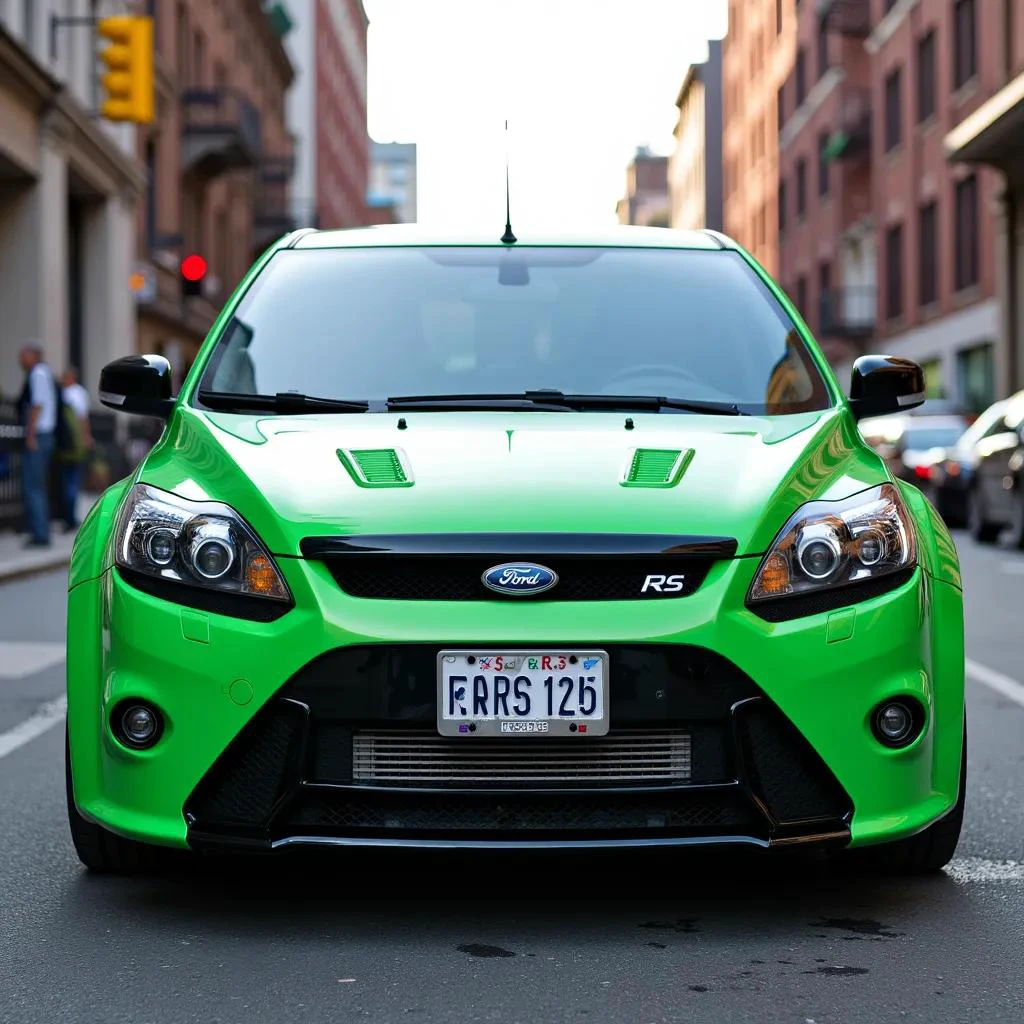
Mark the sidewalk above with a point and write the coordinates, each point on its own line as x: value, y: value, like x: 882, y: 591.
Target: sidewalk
x: 16, y: 560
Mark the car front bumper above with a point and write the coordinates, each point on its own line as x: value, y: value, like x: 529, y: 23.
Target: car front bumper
x: 260, y: 716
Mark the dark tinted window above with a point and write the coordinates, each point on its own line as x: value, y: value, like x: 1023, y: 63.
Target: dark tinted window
x: 801, y: 188
x: 893, y: 111
x: 965, y: 60
x: 894, y: 271
x: 926, y: 77
x: 373, y: 323
x: 928, y: 256
x: 966, y: 240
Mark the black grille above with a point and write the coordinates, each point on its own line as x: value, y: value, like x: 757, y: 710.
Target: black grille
x: 290, y: 771
x: 535, y: 813
x: 785, y: 770
x: 454, y: 578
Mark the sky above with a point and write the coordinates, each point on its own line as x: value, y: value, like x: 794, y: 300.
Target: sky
x: 581, y: 82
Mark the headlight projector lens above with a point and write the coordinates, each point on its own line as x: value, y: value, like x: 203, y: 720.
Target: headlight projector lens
x: 160, y: 546
x: 212, y: 559
x: 819, y: 558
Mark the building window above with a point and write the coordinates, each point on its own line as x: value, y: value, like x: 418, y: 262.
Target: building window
x: 151, y: 166
x: 894, y: 272
x: 782, y: 207
x: 893, y: 103
x: 926, y: 77
x: 822, y: 46
x: 889, y: 5
x: 965, y: 55
x: 823, y: 163
x: 927, y: 254
x: 778, y: 17
x: 965, y: 243
x: 976, y: 377
x: 801, y: 76
x: 801, y: 189
x: 780, y: 102
x: 801, y: 294
x: 932, y: 370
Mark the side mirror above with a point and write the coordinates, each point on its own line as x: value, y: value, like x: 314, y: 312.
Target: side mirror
x: 138, y: 384
x: 882, y: 385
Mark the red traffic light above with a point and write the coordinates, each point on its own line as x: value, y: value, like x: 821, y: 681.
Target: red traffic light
x: 193, y: 268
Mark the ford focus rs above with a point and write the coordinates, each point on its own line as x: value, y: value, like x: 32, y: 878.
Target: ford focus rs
x: 551, y: 542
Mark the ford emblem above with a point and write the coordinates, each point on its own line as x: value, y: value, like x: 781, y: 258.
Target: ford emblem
x: 520, y: 579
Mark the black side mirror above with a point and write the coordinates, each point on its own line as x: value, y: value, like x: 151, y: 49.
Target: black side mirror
x: 885, y: 384
x: 138, y: 384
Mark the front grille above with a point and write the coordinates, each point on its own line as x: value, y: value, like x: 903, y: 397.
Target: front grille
x: 355, y: 813
x: 419, y: 757
x: 433, y: 578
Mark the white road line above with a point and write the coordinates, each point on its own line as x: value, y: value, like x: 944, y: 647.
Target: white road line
x: 24, y: 732
x: 996, y: 681
x: 19, y: 658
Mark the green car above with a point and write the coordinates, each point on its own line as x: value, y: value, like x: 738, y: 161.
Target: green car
x: 468, y: 542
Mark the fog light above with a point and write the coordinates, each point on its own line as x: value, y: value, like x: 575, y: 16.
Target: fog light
x: 137, y: 725
x: 897, y: 723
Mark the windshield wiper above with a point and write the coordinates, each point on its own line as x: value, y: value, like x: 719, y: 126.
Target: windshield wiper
x: 554, y: 400
x: 283, y: 403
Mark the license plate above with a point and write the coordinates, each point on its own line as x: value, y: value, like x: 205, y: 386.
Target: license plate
x: 522, y: 693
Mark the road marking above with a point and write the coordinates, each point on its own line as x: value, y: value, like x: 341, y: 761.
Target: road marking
x: 24, y: 732
x: 18, y: 659
x: 977, y: 869
x: 996, y: 681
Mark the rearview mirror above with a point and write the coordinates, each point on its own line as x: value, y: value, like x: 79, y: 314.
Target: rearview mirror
x: 881, y: 385
x: 138, y: 384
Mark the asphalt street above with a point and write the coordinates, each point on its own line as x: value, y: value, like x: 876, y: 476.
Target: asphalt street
x: 623, y: 938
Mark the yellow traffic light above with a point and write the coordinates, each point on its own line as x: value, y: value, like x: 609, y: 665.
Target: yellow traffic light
x: 129, y: 82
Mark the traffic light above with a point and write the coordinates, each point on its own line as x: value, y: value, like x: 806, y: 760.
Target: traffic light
x: 193, y: 270
x: 129, y: 82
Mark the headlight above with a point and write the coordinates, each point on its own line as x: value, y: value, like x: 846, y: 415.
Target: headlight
x: 834, y: 543
x: 200, y: 543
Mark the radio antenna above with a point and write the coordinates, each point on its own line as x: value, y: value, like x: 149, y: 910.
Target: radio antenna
x: 508, y: 238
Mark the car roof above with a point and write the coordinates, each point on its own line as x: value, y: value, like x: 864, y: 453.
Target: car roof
x: 402, y: 235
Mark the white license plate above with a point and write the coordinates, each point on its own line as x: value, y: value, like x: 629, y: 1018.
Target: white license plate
x: 522, y: 693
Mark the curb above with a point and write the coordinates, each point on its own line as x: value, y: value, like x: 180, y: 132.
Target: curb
x: 9, y: 574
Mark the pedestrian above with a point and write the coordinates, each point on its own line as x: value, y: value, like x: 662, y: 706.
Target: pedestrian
x: 73, y: 459
x: 38, y: 410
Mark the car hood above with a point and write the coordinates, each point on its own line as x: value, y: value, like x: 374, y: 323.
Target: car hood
x: 518, y: 472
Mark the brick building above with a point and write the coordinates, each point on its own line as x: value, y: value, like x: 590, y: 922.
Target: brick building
x: 695, y: 166
x: 327, y: 114
x: 883, y: 244
x: 757, y: 56
x: 993, y: 135
x: 218, y: 157
x: 646, y: 199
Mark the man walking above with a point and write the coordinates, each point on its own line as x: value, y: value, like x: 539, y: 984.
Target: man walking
x: 73, y: 458
x: 38, y: 409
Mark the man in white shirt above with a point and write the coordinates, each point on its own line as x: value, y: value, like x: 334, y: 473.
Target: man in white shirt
x: 72, y: 462
x: 39, y: 411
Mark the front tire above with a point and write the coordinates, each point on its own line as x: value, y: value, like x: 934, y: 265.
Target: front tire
x: 101, y: 851
x: 922, y: 854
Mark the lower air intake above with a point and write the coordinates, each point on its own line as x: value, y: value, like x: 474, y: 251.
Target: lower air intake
x: 419, y: 757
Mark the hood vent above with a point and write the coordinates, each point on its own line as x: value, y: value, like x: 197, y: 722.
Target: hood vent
x: 377, y: 467
x: 655, y: 467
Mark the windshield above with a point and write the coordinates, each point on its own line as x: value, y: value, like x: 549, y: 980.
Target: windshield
x: 931, y: 437
x: 374, y: 323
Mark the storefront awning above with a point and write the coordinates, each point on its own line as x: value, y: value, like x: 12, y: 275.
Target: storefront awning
x: 994, y: 133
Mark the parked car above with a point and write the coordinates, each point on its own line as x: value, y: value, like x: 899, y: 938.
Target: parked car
x: 951, y: 475
x: 996, y: 494
x: 912, y: 445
